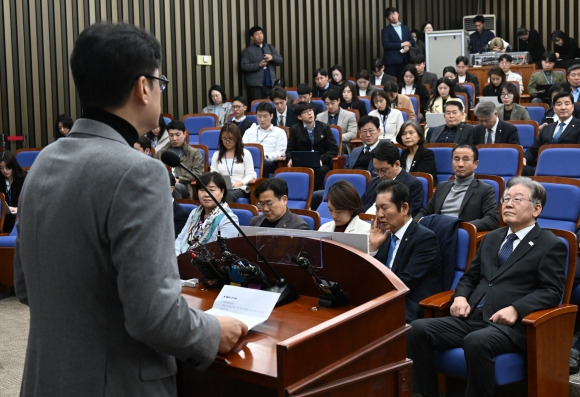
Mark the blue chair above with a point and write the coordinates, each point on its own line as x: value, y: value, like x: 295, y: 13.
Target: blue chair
x: 536, y: 111
x: 559, y: 160
x: 166, y: 119
x: 188, y: 204
x: 300, y: 182
x: 358, y: 178
x: 501, y: 159
x: 26, y: 156
x: 311, y: 217
x: 562, y: 209
x: 549, y: 334
x: 443, y: 161
x: 470, y: 87
x: 427, y: 182
x: 194, y: 122
x: 498, y: 184
x: 256, y: 102
x: 209, y: 137
x: 527, y: 131
x: 257, y: 152
x: 320, y: 102
x: 405, y: 113
x: 337, y: 133
x: 367, y: 101
x: 253, y: 117
x: 244, y: 212
x: 204, y: 153
x: 416, y: 102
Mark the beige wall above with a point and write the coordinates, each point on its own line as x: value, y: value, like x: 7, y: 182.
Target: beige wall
x: 37, y: 37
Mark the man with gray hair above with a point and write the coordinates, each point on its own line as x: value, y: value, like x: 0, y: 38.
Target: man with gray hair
x: 518, y: 269
x: 491, y: 129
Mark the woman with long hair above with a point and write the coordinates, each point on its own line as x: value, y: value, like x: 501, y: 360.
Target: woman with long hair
x: 11, y: 180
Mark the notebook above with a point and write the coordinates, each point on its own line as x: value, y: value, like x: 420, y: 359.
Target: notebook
x: 434, y: 119
x: 306, y: 158
x: 489, y: 99
x: 228, y: 181
x: 544, y: 92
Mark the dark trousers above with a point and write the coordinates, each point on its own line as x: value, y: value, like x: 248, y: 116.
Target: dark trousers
x: 258, y: 92
x: 481, y: 342
x: 234, y: 194
x: 319, y: 175
x: 316, y: 199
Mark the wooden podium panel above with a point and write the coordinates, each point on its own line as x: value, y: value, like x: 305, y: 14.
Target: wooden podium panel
x: 305, y: 350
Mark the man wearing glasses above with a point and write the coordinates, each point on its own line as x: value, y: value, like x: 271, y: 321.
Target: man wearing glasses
x: 94, y: 258
x: 518, y: 269
x: 272, y: 195
x: 188, y: 155
x: 239, y: 107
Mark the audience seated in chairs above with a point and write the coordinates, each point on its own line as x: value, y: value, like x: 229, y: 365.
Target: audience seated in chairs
x: 411, y: 83
x: 344, y: 205
x: 455, y: 130
x: 239, y: 107
x: 491, y: 129
x: 159, y: 136
x: 390, y: 119
x: 335, y: 115
x: 510, y: 109
x: 62, y: 126
x: 233, y: 160
x: 143, y: 145
x: 217, y: 104
x: 11, y: 180
x: 416, y: 157
x: 349, y: 99
x: 495, y: 81
x: 272, y: 195
x: 284, y: 115
x: 207, y: 221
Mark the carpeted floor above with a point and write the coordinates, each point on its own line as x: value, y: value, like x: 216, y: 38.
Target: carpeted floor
x: 14, y: 319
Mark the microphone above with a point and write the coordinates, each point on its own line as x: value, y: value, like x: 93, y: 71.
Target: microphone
x: 286, y: 291
x: 331, y: 295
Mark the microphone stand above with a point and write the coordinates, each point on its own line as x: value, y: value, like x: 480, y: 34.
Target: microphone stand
x: 286, y: 291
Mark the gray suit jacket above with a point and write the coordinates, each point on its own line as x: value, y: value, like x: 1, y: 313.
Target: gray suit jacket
x: 252, y: 56
x: 288, y: 221
x: 519, y: 112
x: 478, y: 206
x: 346, y: 122
x: 95, y: 263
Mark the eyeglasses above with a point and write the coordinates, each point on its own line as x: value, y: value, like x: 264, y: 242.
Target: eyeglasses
x: 368, y: 132
x: 515, y: 200
x: 268, y: 204
x: 237, y: 106
x: 506, y: 94
x: 382, y: 171
x: 162, y: 81
x: 228, y: 140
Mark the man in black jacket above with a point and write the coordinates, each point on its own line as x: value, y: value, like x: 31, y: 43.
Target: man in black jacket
x: 491, y: 129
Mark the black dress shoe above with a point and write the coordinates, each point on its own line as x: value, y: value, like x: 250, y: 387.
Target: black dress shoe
x: 574, y: 361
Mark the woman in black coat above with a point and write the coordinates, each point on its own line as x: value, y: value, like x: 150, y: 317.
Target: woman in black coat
x: 416, y: 157
x: 11, y: 181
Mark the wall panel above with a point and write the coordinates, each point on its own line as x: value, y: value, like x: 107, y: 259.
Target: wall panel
x: 35, y: 79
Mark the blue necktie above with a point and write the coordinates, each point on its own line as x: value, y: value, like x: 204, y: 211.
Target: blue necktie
x: 267, y: 78
x: 489, y: 136
x: 576, y: 94
x: 366, y: 149
x: 391, y: 249
x: 558, y: 133
x: 506, y: 249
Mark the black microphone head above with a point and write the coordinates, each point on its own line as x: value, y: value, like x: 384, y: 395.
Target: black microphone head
x: 171, y: 159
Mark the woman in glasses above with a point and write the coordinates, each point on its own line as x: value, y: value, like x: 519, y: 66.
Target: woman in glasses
x: 233, y: 161
x: 510, y: 109
x: 217, y: 103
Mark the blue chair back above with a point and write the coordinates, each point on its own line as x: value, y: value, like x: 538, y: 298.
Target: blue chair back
x: 308, y: 220
x: 367, y: 102
x: 25, y: 158
x: 469, y: 89
x: 536, y: 113
x: 189, y: 207
x: 194, y: 123
x: 297, y: 193
x: 415, y: 104
x: 562, y: 207
x: 357, y: 180
x: 425, y: 184
x: 244, y: 216
x: 500, y: 161
x: 527, y: 134
x: 556, y: 161
x: 405, y: 116
x: 253, y: 118
x: 292, y: 92
x: 255, y: 104
x: 257, y: 158
x: 210, y: 138
x: 443, y: 162
x: 166, y: 119
x: 496, y: 186
x: 320, y: 102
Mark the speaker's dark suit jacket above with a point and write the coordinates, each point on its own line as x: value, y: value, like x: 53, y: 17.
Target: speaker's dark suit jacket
x: 505, y: 133
x: 464, y: 133
x: 416, y: 188
x: 423, y: 161
x: 531, y: 279
x: 570, y: 135
x: 478, y: 206
x: 418, y: 264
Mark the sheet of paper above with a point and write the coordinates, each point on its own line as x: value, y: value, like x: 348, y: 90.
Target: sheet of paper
x: 251, y: 306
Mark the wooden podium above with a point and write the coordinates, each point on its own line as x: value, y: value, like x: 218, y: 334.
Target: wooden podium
x: 302, y: 350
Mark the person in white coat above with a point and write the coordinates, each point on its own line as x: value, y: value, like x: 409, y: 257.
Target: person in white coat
x: 344, y: 205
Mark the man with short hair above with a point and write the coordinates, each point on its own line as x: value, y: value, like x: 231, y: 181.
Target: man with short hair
x: 284, y: 114
x: 273, y: 139
x: 565, y: 129
x: 397, y: 41
x: 380, y: 77
x: 478, y: 40
x: 406, y: 247
x: 424, y: 76
x: 518, y: 269
x: 387, y: 166
x: 505, y: 63
x: 455, y: 130
x: 573, y: 74
x: 463, y: 76
x: 312, y: 135
x: 305, y: 95
x: 321, y: 83
x: 334, y: 115
x: 465, y: 197
x: 143, y: 145
x: 272, y: 195
x: 546, y: 76
x: 239, y: 107
x: 491, y: 129
x: 259, y: 61
x: 95, y: 264
x: 188, y: 155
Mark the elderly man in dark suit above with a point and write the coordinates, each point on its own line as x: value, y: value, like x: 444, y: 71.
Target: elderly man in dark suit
x: 96, y: 265
x: 455, y: 130
x: 566, y: 129
x: 465, y: 197
x: 397, y: 41
x: 408, y: 248
x: 491, y: 129
x: 272, y: 195
x: 518, y: 269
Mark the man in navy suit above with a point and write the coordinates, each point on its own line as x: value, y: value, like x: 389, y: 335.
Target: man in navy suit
x: 566, y: 129
x: 455, y: 130
x: 518, y: 269
x: 397, y: 41
x: 491, y: 129
x: 408, y: 248
x: 386, y: 164
x: 284, y: 115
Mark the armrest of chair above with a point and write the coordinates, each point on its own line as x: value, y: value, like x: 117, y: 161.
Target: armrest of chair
x: 437, y: 305
x: 541, y: 317
x: 338, y: 162
x: 354, y: 143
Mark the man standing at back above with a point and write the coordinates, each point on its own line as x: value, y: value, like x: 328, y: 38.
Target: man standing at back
x: 478, y: 40
x: 96, y: 265
x: 397, y: 42
x: 259, y: 61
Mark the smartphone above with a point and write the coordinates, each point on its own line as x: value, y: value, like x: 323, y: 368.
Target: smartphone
x: 549, y: 120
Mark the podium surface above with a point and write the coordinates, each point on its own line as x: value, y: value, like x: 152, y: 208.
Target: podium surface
x: 307, y: 350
